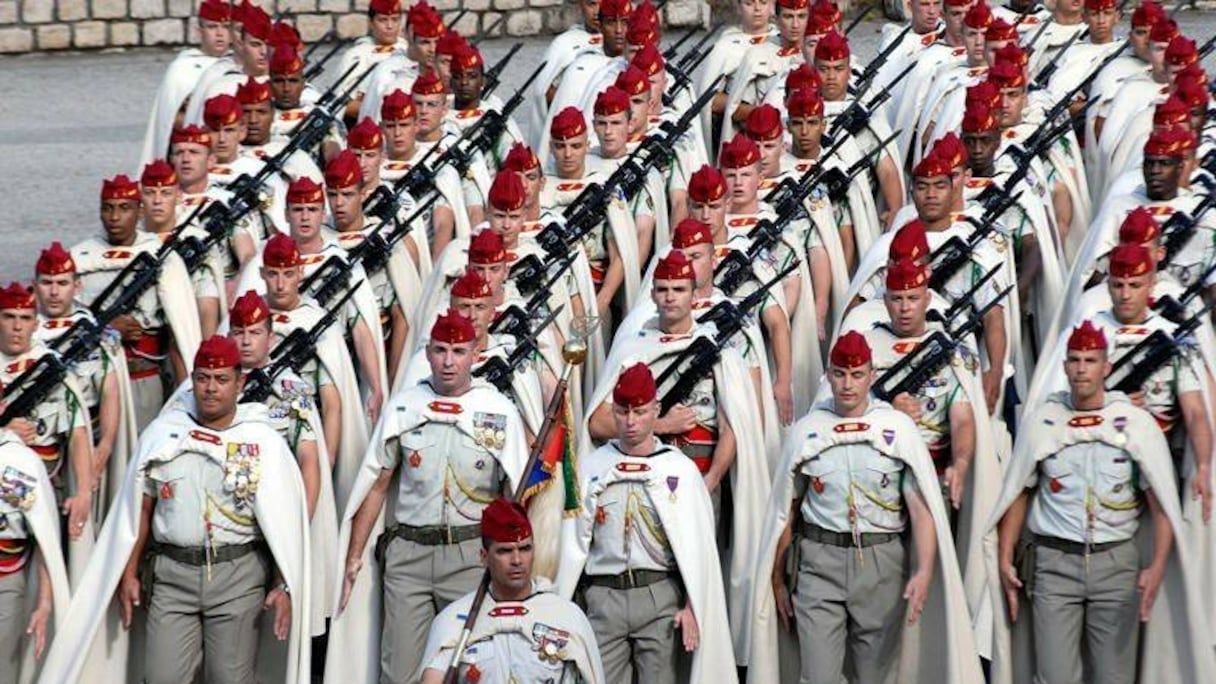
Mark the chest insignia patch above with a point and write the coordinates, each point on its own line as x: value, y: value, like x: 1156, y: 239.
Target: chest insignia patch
x: 490, y: 430
x: 550, y: 642
x: 630, y: 467
x: 17, y: 489
x: 205, y: 437
x: 415, y: 459
x: 843, y: 428
x: 511, y: 610
x: 1085, y: 421
x: 445, y: 407
x: 888, y: 436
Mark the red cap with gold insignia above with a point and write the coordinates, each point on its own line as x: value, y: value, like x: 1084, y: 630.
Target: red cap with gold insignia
x: 397, y: 106
x: 794, y: 4
x: 281, y: 251
x: 1130, y: 260
x: 429, y: 83
x: 158, y: 174
x: 763, y: 123
x: 470, y: 285
x: 217, y: 352
x: 1181, y: 52
x: 119, y: 187
x: 1099, y: 5
x: 505, y: 522
x: 986, y: 92
x: 486, y: 248
x: 450, y: 43
x: 1012, y: 53
x: 282, y: 33
x: 1139, y: 227
x: 909, y: 242
x: 215, y: 10
x: 1164, y: 30
x: 690, y: 233
x: 191, y: 134
x: 634, y: 387
x: 932, y: 166
x: 648, y: 59
x: 633, y: 81
x: 805, y: 77
x: 823, y: 19
x: 979, y: 16
x: 343, y: 170
x: 453, y: 328
x: 520, y: 159
x: 1086, y: 337
x: 304, y: 190
x: 738, y: 152
x: 569, y: 123
x: 285, y: 61
x: 253, y: 91
x: 256, y: 23
x: 850, y: 351
x: 957, y: 3
x: 249, y: 309
x: 1192, y: 93
x: 803, y: 103
x: 1147, y: 14
x: 1191, y: 72
x: 906, y: 274
x: 1172, y: 112
x: 612, y: 101
x: 614, y: 9
x: 1007, y: 75
x: 55, y: 260
x: 643, y: 26
x: 220, y: 111
x: 1000, y: 30
x: 366, y: 135
x: 467, y: 58
x: 706, y: 184
x: 17, y: 296
x: 1170, y: 142
x: 507, y: 192
x: 950, y: 149
x: 674, y: 266
x: 384, y: 7
x: 978, y: 118
x: 832, y: 47
x: 424, y: 20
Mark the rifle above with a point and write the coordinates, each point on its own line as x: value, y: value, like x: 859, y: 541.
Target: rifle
x: 498, y: 371
x: 485, y: 32
x: 1174, y: 309
x: 297, y: 349
x: 953, y: 254
x: 912, y: 372
x: 681, y: 69
x: 494, y: 73
x: 729, y: 318
x: 858, y: 19
x: 837, y: 182
x: 329, y: 35
x: 1045, y: 74
x: 316, y: 69
x: 1206, y: 48
x: 1180, y: 228
x: 853, y: 119
x: 1133, y: 369
x: 697, y: 52
x: 1060, y: 105
x: 674, y: 49
x: 534, y: 279
x: 871, y: 71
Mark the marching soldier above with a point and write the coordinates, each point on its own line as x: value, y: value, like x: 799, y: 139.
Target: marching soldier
x: 468, y: 106
x: 287, y: 89
x: 250, y: 57
x: 611, y: 122
x: 383, y: 40
x: 423, y: 29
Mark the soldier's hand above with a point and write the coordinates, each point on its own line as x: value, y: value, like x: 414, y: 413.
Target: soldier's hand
x: 280, y: 602
x: 77, y: 509
x: 348, y: 582
x: 908, y: 405
x: 1011, y: 584
x: 36, y: 629
x: 1148, y: 584
x: 25, y: 429
x: 785, y: 605
x: 374, y: 403
x: 679, y: 419
x: 128, y: 598
x: 915, y: 594
x: 783, y: 392
x: 955, y: 481
x: 712, y: 480
x: 686, y: 622
x: 1201, y: 488
x: 128, y: 328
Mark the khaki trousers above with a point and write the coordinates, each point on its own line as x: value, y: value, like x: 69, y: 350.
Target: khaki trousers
x: 13, y: 621
x: 635, y: 629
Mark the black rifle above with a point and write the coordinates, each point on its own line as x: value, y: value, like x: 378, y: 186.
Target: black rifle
x: 1057, y: 108
x: 296, y: 350
x: 1207, y: 48
x: 858, y: 19
x: 912, y: 372
x: 533, y: 278
x: 681, y: 69
x: 1133, y: 369
x: 1178, y: 230
x: 317, y: 68
x: 871, y: 71
x: 494, y: 73
x: 1044, y: 76
x: 856, y: 116
x: 698, y: 359
x: 1174, y: 309
x: 499, y: 371
x: 486, y: 32
x: 950, y: 257
x: 329, y: 35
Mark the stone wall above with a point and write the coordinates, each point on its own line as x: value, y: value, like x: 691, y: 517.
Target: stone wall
x: 46, y: 25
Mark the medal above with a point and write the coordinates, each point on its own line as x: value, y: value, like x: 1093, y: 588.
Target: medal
x: 672, y: 482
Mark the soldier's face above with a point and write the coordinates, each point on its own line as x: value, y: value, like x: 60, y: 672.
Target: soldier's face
x: 1129, y: 297
x: 907, y: 310
x: 1085, y: 370
x: 510, y: 565
x: 216, y: 391
x: 119, y: 218
x: 467, y: 85
x: 16, y: 329
x: 925, y: 15
x: 258, y: 118
x: 385, y: 28
x: 443, y: 67
x: 55, y: 293
x: 673, y: 299
x: 1139, y: 40
x: 226, y: 141
x: 954, y: 18
x: 613, y: 133
x: 1156, y: 59
x: 591, y: 14
x: 569, y: 155
x: 981, y: 151
x: 754, y: 15
x: 480, y: 310
x: 1102, y: 24
x: 256, y: 55
x: 346, y: 204
x: 835, y: 77
x: 932, y: 197
x: 423, y: 49
x: 1013, y: 102
x: 282, y: 287
x: 850, y: 386
x: 973, y: 40
x: 770, y: 157
x: 639, y: 113
x: 990, y: 49
x: 533, y: 182
x: 742, y: 184
x: 305, y: 221
x: 399, y: 135
x: 286, y: 89
x: 791, y: 24
x: 253, y: 341
x: 658, y: 85
x: 613, y: 29
x: 635, y: 424
x: 508, y: 223
x: 712, y: 212
x: 160, y: 204
x: 495, y: 274
x: 214, y: 37
x: 1069, y: 7
x: 431, y: 110
x: 702, y: 258
x: 1161, y: 177
x: 451, y: 363
x: 805, y: 132
x: 190, y: 161
x: 369, y: 164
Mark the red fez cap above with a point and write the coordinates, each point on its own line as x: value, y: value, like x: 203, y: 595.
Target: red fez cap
x: 1192, y: 93
x: 803, y: 77
x: 674, y: 266
x: 978, y: 17
x: 1164, y: 30
x: 906, y: 274
x: 239, y: 9
x: 256, y: 23
x: 470, y: 285
x: 453, y: 328
x: 648, y: 12
x: 487, y: 247
x: 215, y: 10
x: 1172, y: 112
x: 643, y: 27
x: 520, y: 159
x: 794, y: 4
x: 221, y: 110
x: 956, y: 3
x: 823, y: 18
x: 304, y: 190
x: 424, y: 21
x: 192, y: 134
x: 569, y: 123
x: 1181, y: 52
x: 450, y: 43
x: 1171, y: 142
x: 1147, y: 14
x: 648, y: 59
x: 429, y: 83
x: 950, y: 149
x: 635, y: 387
x: 850, y: 351
x: 978, y: 118
x: 633, y: 81
x: 343, y: 170
x: 249, y: 309
x: 366, y: 135
x: 17, y: 296
x: 158, y: 174
x: 1012, y: 53
x: 999, y: 30
x: 706, y: 184
x: 1099, y: 5
x: 217, y: 352
x: 282, y: 33
x: 1193, y: 73
x: 909, y: 242
x: 611, y: 101
x: 467, y: 58
x: 253, y: 91
x: 690, y: 233
x: 281, y: 251
x: 1086, y: 337
x: 507, y: 191
x: 763, y: 123
x: 285, y: 60
x: 986, y: 92
x: 931, y: 166
x: 739, y: 151
x: 384, y: 6
x: 1139, y: 227
x: 1007, y: 75
x: 804, y: 102
x: 396, y: 106
x: 615, y: 8
x: 832, y: 47
x: 55, y: 260
x: 505, y: 522
x: 119, y: 187
x: 1130, y: 260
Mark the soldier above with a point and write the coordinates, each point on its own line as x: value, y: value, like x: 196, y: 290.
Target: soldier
x: 468, y: 106
x: 560, y: 53
x: 225, y: 124
x: 765, y: 65
x: 383, y: 40
x: 853, y: 480
x: 556, y: 641
x: 250, y: 58
x: 1067, y: 20
x: 212, y: 514
x: 287, y: 88
x: 255, y: 99
x: 611, y: 124
x: 642, y: 551
x: 454, y: 443
x: 423, y: 29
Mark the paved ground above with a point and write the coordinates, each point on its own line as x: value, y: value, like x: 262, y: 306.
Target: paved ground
x: 66, y: 121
